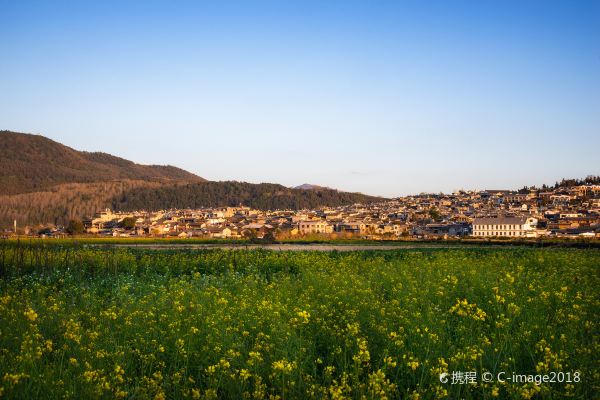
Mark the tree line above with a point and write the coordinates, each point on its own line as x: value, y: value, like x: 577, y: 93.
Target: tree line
x: 264, y: 196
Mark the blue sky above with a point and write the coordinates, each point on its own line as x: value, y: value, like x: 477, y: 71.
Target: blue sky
x: 385, y: 98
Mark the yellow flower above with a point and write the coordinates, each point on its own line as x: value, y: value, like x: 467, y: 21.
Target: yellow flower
x: 510, y: 278
x: 284, y: 366
x: 304, y: 316
x: 363, y: 355
x: 414, y: 396
x: 211, y: 369
x: 30, y: 314
x: 14, y: 378
x: 462, y: 308
x: 245, y: 374
x: 255, y: 358
x: 413, y: 365
x: 390, y: 362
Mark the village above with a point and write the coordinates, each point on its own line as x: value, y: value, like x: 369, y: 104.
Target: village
x: 572, y: 212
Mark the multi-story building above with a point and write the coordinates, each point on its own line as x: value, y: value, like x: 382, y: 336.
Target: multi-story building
x: 307, y: 227
x: 504, y: 226
x: 514, y: 198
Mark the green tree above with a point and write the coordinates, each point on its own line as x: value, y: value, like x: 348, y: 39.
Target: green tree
x: 127, y: 223
x: 434, y: 214
x: 269, y: 238
x: 75, y: 227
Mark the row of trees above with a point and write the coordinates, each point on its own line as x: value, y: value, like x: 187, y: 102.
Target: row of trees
x: 76, y: 226
x: 62, y: 203
x: 74, y: 201
x: 565, y: 183
x: 264, y: 196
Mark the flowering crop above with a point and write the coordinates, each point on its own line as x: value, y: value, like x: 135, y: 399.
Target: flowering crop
x: 126, y: 323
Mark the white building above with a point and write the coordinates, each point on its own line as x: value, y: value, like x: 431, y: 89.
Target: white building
x: 504, y: 227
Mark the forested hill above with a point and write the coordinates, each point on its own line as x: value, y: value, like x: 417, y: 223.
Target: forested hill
x: 32, y: 163
x: 45, y: 182
x: 264, y: 196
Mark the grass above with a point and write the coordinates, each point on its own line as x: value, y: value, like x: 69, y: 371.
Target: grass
x: 131, y: 323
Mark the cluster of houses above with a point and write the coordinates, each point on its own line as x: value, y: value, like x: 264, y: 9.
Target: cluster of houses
x: 562, y: 212
x: 572, y: 212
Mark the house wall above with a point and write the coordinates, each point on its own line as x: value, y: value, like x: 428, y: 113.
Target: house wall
x: 314, y: 227
x: 505, y: 230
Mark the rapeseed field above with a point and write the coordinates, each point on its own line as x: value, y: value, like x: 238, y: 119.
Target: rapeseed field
x: 91, y: 322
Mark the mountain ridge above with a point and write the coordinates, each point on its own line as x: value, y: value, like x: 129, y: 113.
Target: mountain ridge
x: 45, y: 182
x: 32, y: 163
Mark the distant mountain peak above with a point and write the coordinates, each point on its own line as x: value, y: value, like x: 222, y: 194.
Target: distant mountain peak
x: 309, y: 186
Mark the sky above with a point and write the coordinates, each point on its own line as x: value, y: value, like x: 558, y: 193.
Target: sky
x: 384, y: 98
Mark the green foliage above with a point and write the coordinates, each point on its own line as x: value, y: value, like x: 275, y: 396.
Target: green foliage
x: 127, y: 223
x: 263, y: 196
x: 434, y: 214
x: 44, y: 182
x: 589, y: 180
x: 31, y: 163
x: 62, y: 203
x: 75, y: 227
x: 87, y: 322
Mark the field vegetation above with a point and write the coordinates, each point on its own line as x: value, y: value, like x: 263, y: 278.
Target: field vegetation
x: 92, y: 322
x: 85, y: 239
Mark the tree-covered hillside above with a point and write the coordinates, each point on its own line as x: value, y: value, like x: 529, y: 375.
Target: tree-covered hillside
x: 264, y: 196
x: 45, y: 182
x: 32, y: 163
